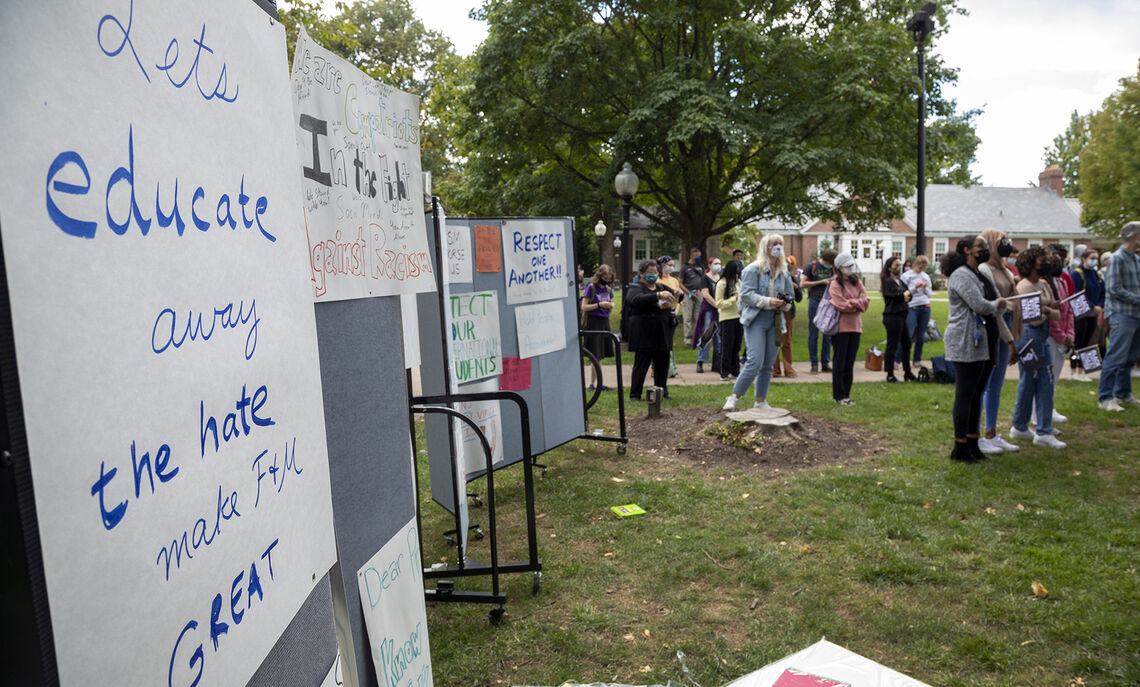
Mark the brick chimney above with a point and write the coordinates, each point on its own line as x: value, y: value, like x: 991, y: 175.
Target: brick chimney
x: 1054, y: 179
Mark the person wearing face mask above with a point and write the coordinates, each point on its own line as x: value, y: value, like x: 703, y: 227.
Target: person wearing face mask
x: 765, y: 292
x: 785, y: 339
x: 1086, y: 278
x: 731, y: 333
x: 1122, y: 309
x: 706, y: 334
x: 597, y: 303
x: 667, y: 277
x: 848, y: 295
x: 650, y: 332
x: 996, y: 269
x: 1061, y: 331
x: 917, y: 281
x: 1034, y: 387
x: 693, y: 280
x: 896, y: 298
x: 971, y: 338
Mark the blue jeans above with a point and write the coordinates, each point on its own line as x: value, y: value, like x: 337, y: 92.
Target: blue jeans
x: 703, y: 351
x: 916, y: 320
x: 992, y: 398
x: 1123, y: 350
x: 760, y: 336
x: 813, y: 336
x: 1036, y: 386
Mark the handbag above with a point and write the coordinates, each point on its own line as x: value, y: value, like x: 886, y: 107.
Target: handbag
x: 826, y: 318
x: 874, y: 359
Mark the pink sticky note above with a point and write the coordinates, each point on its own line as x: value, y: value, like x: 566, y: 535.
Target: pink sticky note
x: 516, y: 374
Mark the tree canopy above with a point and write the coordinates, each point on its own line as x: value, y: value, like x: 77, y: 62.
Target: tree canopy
x: 729, y: 110
x: 1066, y: 152
x: 1110, y: 162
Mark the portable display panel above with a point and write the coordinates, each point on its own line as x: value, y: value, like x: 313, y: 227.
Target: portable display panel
x: 554, y: 398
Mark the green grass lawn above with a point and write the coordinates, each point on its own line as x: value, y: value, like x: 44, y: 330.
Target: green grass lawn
x: 914, y: 561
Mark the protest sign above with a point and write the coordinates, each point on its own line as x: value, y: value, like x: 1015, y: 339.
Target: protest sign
x: 488, y: 253
x: 516, y: 374
x: 487, y: 415
x: 1030, y: 357
x: 358, y: 151
x: 1030, y: 305
x: 541, y: 328
x: 458, y: 254
x: 1088, y: 358
x: 392, y: 594
x: 476, y: 351
x: 1079, y: 304
x: 534, y: 260
x: 167, y: 349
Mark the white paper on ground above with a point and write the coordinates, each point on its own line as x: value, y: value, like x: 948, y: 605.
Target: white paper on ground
x: 830, y: 661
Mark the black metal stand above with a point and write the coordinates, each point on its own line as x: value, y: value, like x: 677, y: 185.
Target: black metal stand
x: 622, y: 439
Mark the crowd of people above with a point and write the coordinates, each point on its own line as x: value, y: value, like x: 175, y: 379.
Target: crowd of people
x: 1005, y: 306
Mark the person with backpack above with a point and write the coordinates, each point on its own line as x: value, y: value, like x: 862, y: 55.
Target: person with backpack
x: 971, y: 339
x: 1086, y: 278
x: 815, y: 279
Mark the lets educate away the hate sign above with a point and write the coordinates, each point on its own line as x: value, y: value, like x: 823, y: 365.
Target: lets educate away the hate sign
x: 358, y: 144
x: 164, y: 334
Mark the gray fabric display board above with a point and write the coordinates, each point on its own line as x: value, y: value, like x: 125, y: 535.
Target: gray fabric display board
x: 554, y: 396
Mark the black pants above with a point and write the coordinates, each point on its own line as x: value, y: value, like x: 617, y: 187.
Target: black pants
x: 846, y: 346
x: 641, y: 362
x: 1083, y: 331
x: 896, y: 332
x: 970, y: 385
x: 731, y: 334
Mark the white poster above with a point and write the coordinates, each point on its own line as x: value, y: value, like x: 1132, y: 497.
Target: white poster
x: 409, y: 320
x: 358, y: 151
x: 164, y: 335
x: 534, y: 260
x: 488, y: 416
x: 476, y: 349
x: 460, y: 256
x: 541, y: 328
x: 392, y: 594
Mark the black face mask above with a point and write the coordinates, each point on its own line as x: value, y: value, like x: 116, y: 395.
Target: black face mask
x: 983, y: 255
x: 1005, y: 248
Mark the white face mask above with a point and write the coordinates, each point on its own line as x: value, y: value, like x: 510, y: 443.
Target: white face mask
x: 716, y: 269
x: 668, y: 269
x: 777, y: 251
x: 1011, y: 261
x: 1093, y: 264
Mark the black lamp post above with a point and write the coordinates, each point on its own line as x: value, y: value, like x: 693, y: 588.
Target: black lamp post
x: 600, y: 234
x: 625, y: 183
x: 920, y: 25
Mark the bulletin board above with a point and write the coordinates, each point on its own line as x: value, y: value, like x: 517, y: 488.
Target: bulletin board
x: 550, y: 381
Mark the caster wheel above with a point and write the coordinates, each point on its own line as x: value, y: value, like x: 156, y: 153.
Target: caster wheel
x: 450, y: 540
x: 536, y: 586
x: 476, y: 501
x: 621, y: 448
x: 478, y: 533
x: 497, y: 615
x: 544, y: 472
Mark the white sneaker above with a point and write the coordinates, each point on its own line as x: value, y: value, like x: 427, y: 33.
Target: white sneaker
x: 1081, y: 377
x: 1111, y: 405
x: 1135, y: 372
x: 1005, y: 445
x: 1131, y: 400
x: 988, y: 446
x: 1048, y: 440
x: 730, y: 402
x: 761, y: 405
x: 1015, y: 433
x: 1058, y: 418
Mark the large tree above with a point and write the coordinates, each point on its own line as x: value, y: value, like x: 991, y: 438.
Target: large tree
x: 385, y: 39
x: 1110, y: 163
x: 1066, y: 152
x: 729, y: 110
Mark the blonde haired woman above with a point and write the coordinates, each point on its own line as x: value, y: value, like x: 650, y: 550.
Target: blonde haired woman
x: 766, y: 289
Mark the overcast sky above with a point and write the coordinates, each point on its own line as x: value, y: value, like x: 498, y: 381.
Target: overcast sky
x: 1027, y: 63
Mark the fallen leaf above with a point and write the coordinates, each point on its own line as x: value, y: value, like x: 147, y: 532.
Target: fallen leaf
x: 608, y: 554
x: 645, y: 633
x: 1038, y: 589
x: 1020, y: 507
x: 878, y: 484
x: 806, y: 549
x: 617, y: 479
x: 610, y: 591
x: 644, y: 669
x: 755, y: 603
x: 540, y: 515
x: 628, y: 638
x: 744, y: 496
x: 927, y: 505
x: 783, y: 543
x: 724, y: 661
x: 1028, y: 642
x: 1076, y: 473
x: 991, y: 510
x: 554, y: 536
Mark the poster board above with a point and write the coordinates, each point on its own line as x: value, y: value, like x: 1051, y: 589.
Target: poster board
x: 555, y: 416
x: 164, y: 352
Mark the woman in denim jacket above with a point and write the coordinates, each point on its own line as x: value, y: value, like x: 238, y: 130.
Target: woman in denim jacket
x: 761, y: 285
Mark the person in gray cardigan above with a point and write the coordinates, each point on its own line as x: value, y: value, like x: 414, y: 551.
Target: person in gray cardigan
x: 971, y: 339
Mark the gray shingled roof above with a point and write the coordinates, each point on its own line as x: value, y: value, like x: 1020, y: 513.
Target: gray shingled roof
x: 955, y: 210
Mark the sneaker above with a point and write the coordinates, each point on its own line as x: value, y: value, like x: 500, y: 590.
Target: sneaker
x: 1058, y: 418
x: 989, y: 445
x: 725, y: 378
x: 1081, y: 377
x: 1111, y: 405
x: 1005, y: 445
x: 846, y: 402
x: 1130, y: 400
x: 761, y: 405
x: 1048, y: 440
x: 825, y: 368
x: 730, y: 402
x: 814, y: 368
x: 1015, y: 433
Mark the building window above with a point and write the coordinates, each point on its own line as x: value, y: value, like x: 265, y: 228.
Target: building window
x: 641, y: 248
x: 897, y: 248
x: 1034, y: 242
x: 879, y: 250
x: 939, y: 249
x: 867, y: 249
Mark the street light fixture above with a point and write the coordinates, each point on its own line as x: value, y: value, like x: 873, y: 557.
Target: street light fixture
x: 921, y: 24
x: 600, y: 234
x: 625, y: 183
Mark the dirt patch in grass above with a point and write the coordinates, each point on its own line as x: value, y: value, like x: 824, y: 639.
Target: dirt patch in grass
x: 706, y: 437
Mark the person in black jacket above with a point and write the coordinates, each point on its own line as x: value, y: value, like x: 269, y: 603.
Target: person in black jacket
x: 894, y: 318
x: 650, y: 310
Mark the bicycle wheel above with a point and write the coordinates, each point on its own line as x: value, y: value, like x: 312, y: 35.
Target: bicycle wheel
x: 591, y: 395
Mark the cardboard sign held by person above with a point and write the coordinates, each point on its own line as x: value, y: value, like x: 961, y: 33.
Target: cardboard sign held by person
x: 1030, y: 357
x: 1079, y: 304
x: 1088, y: 358
x: 1030, y: 306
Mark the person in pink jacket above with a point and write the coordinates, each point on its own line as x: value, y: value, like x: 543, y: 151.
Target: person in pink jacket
x: 850, y: 299
x: 1062, y: 332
